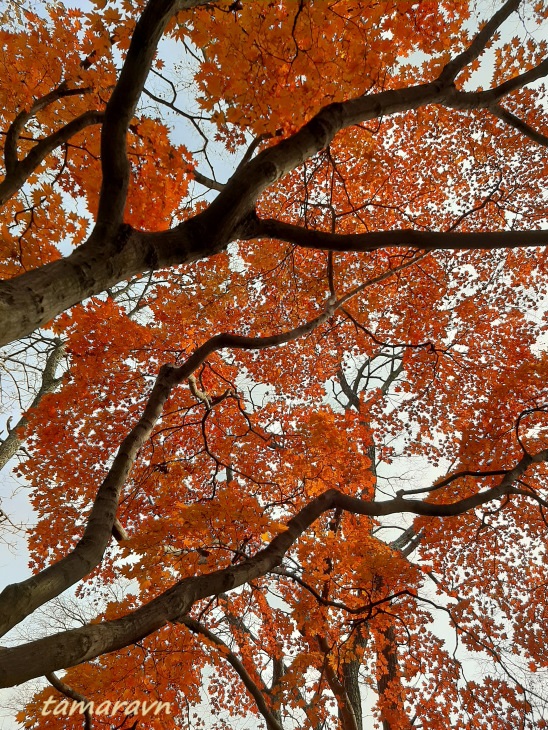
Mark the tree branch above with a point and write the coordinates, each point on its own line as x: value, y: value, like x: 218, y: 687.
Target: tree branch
x: 10, y: 445
x: 514, y: 121
x: 207, y: 182
x: 16, y: 127
x: 366, y: 608
x: 21, y: 169
x: 486, y: 99
x: 64, y: 689
x: 69, y: 648
x: 452, y: 69
x: 115, y: 252
x: 350, y: 393
x: 347, y: 715
x: 251, y: 686
x: 403, y: 238
x: 121, y: 108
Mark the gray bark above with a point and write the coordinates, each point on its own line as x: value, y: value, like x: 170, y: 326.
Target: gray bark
x: 116, y: 252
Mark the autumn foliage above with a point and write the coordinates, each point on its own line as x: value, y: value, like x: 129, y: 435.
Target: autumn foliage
x: 287, y: 431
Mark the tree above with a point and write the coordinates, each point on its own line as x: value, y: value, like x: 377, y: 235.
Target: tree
x: 253, y: 372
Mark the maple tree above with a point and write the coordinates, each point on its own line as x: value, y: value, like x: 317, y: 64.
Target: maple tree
x: 310, y: 403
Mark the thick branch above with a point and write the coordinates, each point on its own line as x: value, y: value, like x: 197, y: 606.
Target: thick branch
x: 404, y: 238
x: 350, y: 393
x: 390, y: 701
x: 20, y: 599
x: 115, y: 253
x: 346, y: 711
x: 72, y: 647
x: 238, y: 197
x: 34, y: 298
x: 121, y: 108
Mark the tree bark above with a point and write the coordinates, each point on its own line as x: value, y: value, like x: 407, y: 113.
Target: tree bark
x: 116, y: 252
x: 69, y: 648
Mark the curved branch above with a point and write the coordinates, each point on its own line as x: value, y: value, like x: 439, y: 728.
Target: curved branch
x: 399, y: 346
x: 20, y: 170
x: 64, y: 689
x: 249, y: 182
x: 451, y: 478
x: 514, y: 121
x: 69, y: 648
x: 366, y: 608
x: 486, y: 99
x: 207, y: 182
x: 121, y: 108
x: 452, y: 69
x: 16, y: 127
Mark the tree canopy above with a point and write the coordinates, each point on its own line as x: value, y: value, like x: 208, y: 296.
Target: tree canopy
x: 286, y: 433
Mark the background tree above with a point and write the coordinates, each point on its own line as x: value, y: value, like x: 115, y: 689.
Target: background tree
x: 349, y: 328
